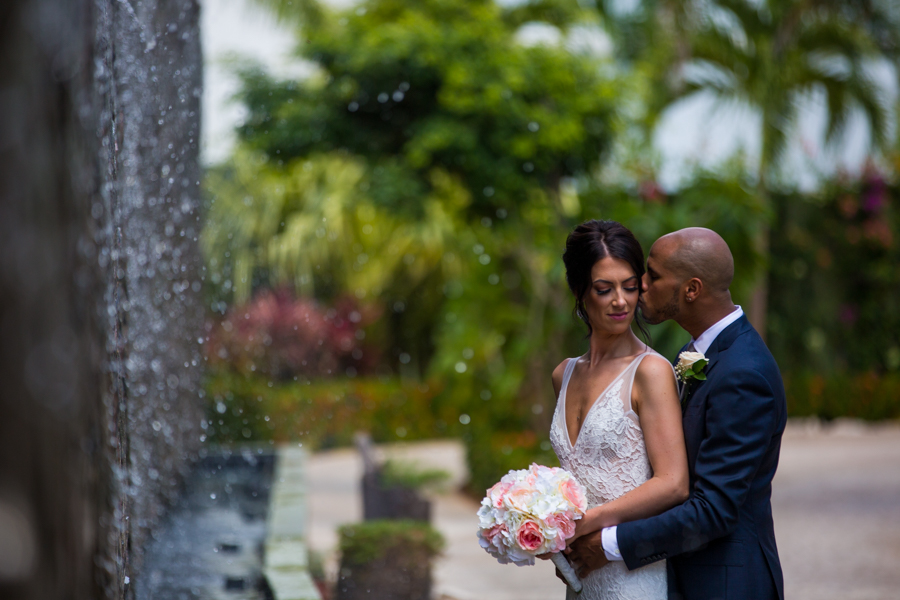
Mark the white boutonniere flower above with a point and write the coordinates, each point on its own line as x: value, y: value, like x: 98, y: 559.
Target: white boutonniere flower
x: 690, y: 366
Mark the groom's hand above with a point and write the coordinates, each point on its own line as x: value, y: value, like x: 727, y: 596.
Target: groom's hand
x: 586, y: 554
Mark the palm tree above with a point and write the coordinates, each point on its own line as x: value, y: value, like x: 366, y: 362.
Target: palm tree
x: 310, y: 223
x: 770, y: 56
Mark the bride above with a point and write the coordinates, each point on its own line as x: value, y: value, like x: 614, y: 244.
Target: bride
x: 617, y: 424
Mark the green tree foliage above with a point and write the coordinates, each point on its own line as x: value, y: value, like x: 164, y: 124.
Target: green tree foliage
x: 417, y: 88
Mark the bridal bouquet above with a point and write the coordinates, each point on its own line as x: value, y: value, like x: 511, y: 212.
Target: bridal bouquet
x: 531, y: 512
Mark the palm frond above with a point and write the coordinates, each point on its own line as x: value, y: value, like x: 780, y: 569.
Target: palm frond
x: 562, y: 13
x: 835, y: 37
x: 862, y: 89
x: 778, y: 113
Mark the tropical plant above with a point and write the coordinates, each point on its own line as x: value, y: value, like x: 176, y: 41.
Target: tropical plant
x: 772, y: 56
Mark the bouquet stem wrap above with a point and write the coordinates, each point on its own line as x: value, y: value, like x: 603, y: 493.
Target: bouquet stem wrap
x: 567, y: 571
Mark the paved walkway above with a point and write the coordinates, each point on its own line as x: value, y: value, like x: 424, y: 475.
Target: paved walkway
x: 836, y: 504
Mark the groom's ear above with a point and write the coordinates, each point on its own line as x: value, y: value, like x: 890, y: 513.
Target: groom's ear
x: 692, y: 289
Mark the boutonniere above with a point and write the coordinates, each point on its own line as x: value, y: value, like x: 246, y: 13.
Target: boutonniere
x: 690, y: 366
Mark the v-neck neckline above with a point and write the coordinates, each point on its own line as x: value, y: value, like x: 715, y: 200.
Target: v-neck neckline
x: 596, y: 401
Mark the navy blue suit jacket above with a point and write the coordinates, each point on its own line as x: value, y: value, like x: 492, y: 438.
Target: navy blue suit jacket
x: 721, y: 542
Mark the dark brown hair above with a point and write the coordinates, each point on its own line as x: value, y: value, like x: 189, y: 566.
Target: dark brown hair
x: 593, y: 241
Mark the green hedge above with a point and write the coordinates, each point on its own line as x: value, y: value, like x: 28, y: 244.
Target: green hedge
x: 321, y: 414
x: 362, y: 543
x: 328, y: 413
x: 866, y: 396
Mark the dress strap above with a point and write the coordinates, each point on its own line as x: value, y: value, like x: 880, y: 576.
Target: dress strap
x: 629, y: 377
x: 567, y: 374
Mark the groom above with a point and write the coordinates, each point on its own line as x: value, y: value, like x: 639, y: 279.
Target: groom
x: 721, y: 542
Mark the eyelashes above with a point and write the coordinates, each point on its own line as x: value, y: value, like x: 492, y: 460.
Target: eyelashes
x: 604, y: 292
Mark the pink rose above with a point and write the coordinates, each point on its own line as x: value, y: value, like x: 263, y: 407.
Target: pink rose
x: 572, y: 492
x: 559, y: 544
x: 497, y: 492
x: 562, y: 522
x: 494, y: 532
x: 529, y: 536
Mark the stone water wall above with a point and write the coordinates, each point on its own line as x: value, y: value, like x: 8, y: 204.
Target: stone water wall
x: 100, y: 286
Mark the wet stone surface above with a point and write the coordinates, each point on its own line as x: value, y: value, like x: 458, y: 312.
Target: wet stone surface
x: 210, y: 545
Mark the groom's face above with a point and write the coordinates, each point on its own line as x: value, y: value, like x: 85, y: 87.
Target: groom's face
x: 660, y: 300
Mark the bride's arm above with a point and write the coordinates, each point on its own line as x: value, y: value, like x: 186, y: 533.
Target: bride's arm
x: 655, y: 399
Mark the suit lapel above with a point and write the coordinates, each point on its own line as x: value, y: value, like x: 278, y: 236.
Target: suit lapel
x: 722, y: 343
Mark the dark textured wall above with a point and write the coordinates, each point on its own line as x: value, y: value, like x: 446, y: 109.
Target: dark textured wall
x: 100, y: 304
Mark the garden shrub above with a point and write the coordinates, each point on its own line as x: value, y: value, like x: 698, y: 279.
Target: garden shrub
x: 279, y: 335
x: 866, y: 396
x: 362, y: 543
x: 387, y: 559
x: 403, y: 474
x: 321, y: 413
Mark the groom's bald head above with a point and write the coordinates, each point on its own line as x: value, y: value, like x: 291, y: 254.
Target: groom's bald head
x: 701, y: 253
x: 688, y: 275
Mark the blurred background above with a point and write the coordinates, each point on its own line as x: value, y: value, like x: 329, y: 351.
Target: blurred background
x: 237, y: 234
x: 388, y: 187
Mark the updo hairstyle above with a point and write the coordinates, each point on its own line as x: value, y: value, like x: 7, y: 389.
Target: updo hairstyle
x: 593, y: 241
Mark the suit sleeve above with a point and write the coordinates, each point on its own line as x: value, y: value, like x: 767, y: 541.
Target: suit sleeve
x: 740, y: 423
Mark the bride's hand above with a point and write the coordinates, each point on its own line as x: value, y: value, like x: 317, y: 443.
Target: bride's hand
x: 580, y: 530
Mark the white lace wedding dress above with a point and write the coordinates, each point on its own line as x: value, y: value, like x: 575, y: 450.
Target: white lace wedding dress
x: 609, y: 458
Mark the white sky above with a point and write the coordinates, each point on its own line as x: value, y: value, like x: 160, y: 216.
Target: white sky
x: 692, y: 132
x: 234, y: 28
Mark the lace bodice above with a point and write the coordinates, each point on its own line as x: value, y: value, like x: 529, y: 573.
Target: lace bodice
x: 609, y: 459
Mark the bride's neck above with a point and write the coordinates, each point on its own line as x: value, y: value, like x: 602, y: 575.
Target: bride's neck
x: 605, y: 346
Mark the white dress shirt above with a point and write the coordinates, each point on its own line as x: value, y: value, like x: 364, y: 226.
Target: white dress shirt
x: 701, y: 344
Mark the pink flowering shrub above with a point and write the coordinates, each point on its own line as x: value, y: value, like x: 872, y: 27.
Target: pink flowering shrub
x: 282, y: 336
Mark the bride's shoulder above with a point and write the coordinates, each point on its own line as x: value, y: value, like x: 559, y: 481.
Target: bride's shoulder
x: 654, y: 367
x: 560, y: 370
x: 559, y: 373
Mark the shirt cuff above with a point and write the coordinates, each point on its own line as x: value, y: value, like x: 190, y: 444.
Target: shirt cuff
x: 610, y: 544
